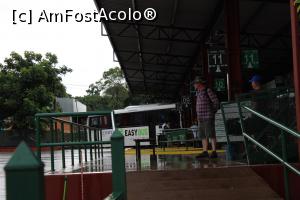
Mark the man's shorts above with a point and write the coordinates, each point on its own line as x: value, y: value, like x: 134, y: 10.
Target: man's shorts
x: 206, y: 129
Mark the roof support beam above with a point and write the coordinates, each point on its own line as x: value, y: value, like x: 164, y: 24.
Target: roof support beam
x: 212, y: 22
x: 157, y: 80
x: 174, y: 83
x: 154, y: 26
x: 159, y: 37
x: 170, y: 44
x: 172, y: 22
x: 98, y: 5
x: 280, y: 31
x: 156, y: 95
x: 153, y: 53
x: 154, y: 71
x: 139, y: 40
x: 253, y: 16
x: 154, y: 58
x: 162, y: 65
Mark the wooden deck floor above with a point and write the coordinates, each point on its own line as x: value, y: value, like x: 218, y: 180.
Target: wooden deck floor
x: 207, y: 184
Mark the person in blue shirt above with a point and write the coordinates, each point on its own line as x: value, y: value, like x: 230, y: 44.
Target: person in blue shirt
x: 256, y: 81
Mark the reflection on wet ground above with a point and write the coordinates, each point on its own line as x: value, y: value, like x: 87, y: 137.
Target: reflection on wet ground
x: 161, y: 162
x: 176, y: 162
x: 148, y: 162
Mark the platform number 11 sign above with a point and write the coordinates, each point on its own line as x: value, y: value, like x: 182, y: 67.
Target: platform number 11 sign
x: 217, y: 61
x: 250, y: 59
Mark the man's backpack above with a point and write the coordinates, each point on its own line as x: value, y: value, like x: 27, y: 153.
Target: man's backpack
x: 211, y: 102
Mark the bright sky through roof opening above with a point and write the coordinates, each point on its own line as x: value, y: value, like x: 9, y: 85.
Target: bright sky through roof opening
x: 79, y: 46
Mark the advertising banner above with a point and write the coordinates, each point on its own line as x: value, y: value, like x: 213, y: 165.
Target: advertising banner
x: 130, y: 134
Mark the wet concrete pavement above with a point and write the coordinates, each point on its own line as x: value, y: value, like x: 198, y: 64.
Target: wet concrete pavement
x: 148, y: 162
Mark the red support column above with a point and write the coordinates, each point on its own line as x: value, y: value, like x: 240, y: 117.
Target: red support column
x: 232, y: 40
x: 204, y: 59
x: 296, y: 62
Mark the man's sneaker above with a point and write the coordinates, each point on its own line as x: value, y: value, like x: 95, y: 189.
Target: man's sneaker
x: 204, y: 154
x: 213, y: 154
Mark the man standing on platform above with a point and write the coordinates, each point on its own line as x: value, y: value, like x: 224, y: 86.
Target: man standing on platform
x: 207, y: 105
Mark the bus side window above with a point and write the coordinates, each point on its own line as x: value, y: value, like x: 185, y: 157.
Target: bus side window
x: 106, y: 122
x: 95, y: 122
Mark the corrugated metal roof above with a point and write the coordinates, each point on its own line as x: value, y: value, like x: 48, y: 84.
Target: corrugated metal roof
x: 143, y: 108
x: 156, y: 56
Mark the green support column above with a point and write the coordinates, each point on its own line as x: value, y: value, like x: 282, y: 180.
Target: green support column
x: 95, y: 146
x: 37, y: 137
x: 24, y: 175
x: 62, y: 125
x: 52, y: 148
x: 118, y: 165
x: 79, y: 147
x: 85, y: 146
x: 72, y: 147
x: 91, y: 146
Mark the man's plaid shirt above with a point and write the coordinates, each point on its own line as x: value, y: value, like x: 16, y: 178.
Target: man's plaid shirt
x: 206, y: 105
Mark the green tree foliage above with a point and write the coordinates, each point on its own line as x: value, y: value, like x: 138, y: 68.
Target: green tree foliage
x: 114, y: 77
x: 95, y: 102
x: 29, y: 84
x: 110, y: 92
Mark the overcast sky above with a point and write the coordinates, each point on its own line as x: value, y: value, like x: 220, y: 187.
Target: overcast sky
x: 79, y: 46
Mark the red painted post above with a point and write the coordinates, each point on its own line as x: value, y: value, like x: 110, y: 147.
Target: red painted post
x: 204, y: 59
x: 232, y: 40
x: 296, y: 62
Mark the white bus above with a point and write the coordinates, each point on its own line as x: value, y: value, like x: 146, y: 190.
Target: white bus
x: 137, y: 122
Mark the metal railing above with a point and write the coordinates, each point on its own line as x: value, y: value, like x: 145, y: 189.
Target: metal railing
x: 82, y: 138
x: 275, y: 103
x: 68, y: 134
x: 283, y: 137
x: 232, y: 129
